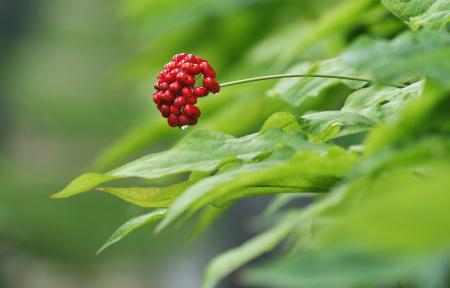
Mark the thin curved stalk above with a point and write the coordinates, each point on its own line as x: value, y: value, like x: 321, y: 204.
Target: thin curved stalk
x: 304, y: 75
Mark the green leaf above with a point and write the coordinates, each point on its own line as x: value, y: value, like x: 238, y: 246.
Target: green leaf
x: 305, y: 171
x: 296, y: 90
x: 132, y: 225
x: 201, y: 151
x: 428, y: 114
x: 420, y: 54
x: 331, y: 124
x: 229, y: 261
x: 83, y: 183
x: 204, y: 150
x: 362, y: 110
x: 148, y: 196
x: 395, y: 231
x: 382, y: 104
x: 421, y: 225
x: 431, y: 14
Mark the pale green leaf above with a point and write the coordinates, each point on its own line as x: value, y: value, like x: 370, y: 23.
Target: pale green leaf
x: 132, y: 225
x: 362, y: 110
x: 313, y: 170
x: 148, y: 196
x: 331, y: 124
x: 83, y: 183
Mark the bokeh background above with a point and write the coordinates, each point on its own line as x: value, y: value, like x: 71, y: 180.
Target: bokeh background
x: 75, y: 95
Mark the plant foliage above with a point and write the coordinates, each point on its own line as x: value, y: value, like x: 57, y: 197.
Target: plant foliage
x: 379, y: 162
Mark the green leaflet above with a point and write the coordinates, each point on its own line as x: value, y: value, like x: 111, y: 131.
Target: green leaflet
x: 132, y: 225
x: 428, y: 113
x: 331, y: 124
x: 229, y: 261
x: 148, y: 196
x: 395, y: 231
x: 409, y: 55
x: 189, y: 155
x: 307, y: 171
x: 296, y: 90
x: 83, y: 183
x: 431, y: 14
x: 362, y: 110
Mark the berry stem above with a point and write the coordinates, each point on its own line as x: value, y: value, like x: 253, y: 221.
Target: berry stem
x: 304, y: 75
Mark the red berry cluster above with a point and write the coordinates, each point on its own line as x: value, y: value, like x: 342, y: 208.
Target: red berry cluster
x: 176, y: 95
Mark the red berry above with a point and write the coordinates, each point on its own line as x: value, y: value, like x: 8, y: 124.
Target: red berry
x: 211, y: 84
x: 200, y: 91
x: 188, y: 68
x: 158, y: 97
x: 181, y: 76
x: 193, y: 121
x: 179, y: 101
x: 179, y: 57
x: 191, y: 100
x: 168, y: 96
x: 173, y: 120
x: 163, y: 85
x: 175, y: 86
x: 196, y: 69
x: 184, y: 120
x: 176, y: 93
x: 187, y: 91
x: 207, y: 70
x: 191, y: 58
x: 189, y: 80
x: 165, y: 111
x: 191, y: 111
x: 175, y: 110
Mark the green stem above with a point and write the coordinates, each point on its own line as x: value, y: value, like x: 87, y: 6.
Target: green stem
x: 304, y: 75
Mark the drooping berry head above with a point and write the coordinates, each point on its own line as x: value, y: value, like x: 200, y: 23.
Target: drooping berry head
x: 176, y: 93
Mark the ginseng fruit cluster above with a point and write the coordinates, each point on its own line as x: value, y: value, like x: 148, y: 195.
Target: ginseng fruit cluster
x: 176, y: 93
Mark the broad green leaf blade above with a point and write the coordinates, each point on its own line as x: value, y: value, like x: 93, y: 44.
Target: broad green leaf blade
x: 229, y: 261
x: 204, y: 150
x: 83, y: 183
x: 382, y: 104
x: 421, y: 225
x: 132, y: 225
x: 392, y: 233
x: 420, y: 54
x: 431, y: 14
x: 148, y: 196
x: 428, y: 113
x: 362, y: 110
x: 305, y: 171
x: 331, y: 124
x: 201, y: 151
x: 296, y: 90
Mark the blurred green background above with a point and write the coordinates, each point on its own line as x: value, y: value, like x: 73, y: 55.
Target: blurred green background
x: 75, y: 85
